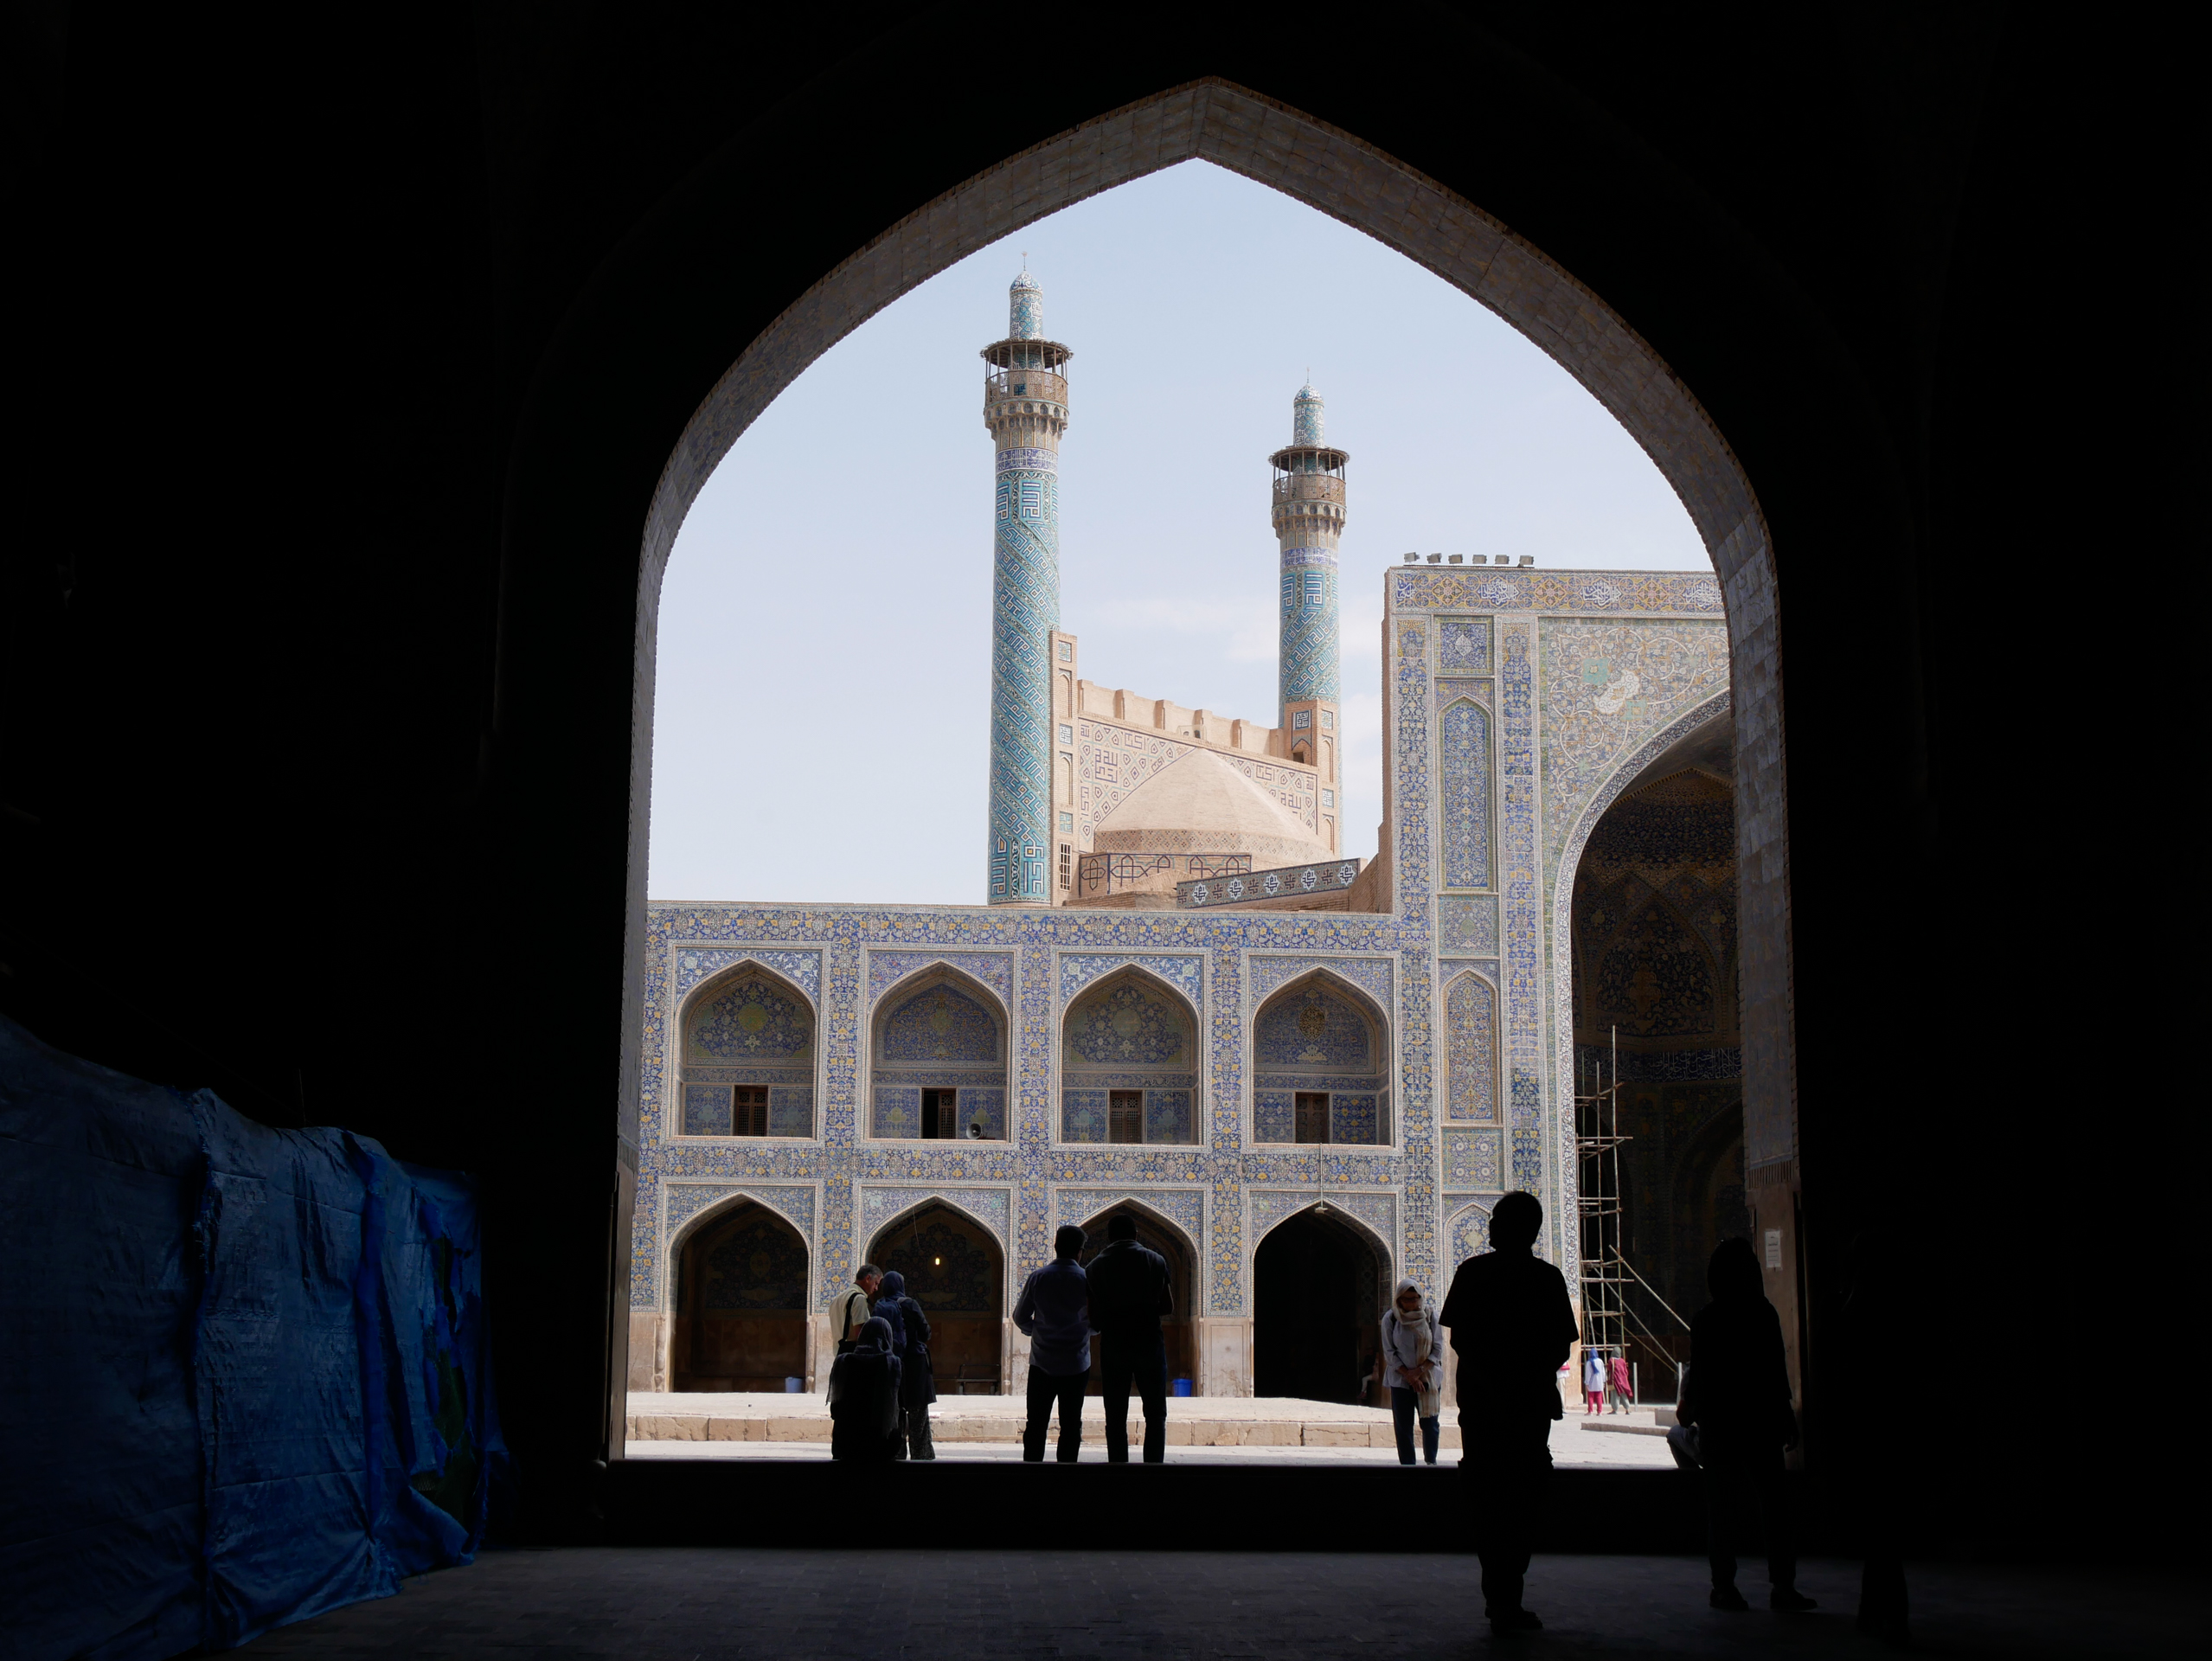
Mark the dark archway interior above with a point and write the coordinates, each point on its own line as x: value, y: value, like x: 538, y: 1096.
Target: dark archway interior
x: 956, y: 1272
x: 456, y: 293
x: 1319, y: 1288
x: 1176, y: 1332
x: 741, y: 1303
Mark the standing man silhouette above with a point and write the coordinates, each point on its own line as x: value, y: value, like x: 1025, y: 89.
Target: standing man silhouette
x: 1129, y: 1293
x: 1513, y: 1327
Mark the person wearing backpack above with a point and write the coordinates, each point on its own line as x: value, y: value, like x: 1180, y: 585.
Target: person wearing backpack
x: 853, y: 1308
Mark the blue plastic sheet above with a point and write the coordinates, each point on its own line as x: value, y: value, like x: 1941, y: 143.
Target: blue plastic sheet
x: 246, y: 1372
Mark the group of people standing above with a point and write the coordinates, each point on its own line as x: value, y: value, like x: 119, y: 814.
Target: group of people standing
x: 1608, y: 1386
x: 882, y: 1384
x: 1513, y: 1327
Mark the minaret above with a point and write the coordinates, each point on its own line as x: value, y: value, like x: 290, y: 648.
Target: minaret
x: 1309, y: 512
x: 1025, y: 407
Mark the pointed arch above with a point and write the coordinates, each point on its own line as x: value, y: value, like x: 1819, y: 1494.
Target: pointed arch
x: 1130, y: 1061
x: 747, y: 1054
x: 1320, y: 1048
x: 1161, y: 1232
x: 939, y: 1047
x: 742, y: 1299
x: 955, y: 1266
x: 1470, y: 1054
x: 1320, y: 1280
x: 1463, y: 759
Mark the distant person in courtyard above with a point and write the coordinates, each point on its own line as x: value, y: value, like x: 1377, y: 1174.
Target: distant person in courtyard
x: 1413, y: 1369
x: 1129, y: 1294
x: 1737, y: 1396
x: 1620, y: 1386
x: 864, y: 1398
x: 917, y: 1379
x: 1594, y: 1383
x: 1054, y: 1312
x: 1513, y: 1329
x: 854, y: 1307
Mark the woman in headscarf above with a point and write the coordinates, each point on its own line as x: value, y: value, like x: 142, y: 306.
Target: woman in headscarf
x: 864, y: 1397
x: 917, y: 1382
x: 1412, y: 1366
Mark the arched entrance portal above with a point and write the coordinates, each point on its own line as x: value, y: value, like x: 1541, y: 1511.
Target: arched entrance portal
x: 1176, y: 1331
x: 955, y: 1271
x: 1318, y: 1286
x: 741, y: 1303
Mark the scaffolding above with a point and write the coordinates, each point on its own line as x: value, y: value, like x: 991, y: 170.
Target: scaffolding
x: 1607, y: 1314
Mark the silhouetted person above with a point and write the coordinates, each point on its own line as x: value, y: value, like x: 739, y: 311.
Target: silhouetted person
x: 1513, y: 1327
x: 1054, y: 1313
x: 1737, y: 1397
x: 853, y: 1307
x: 917, y: 1378
x: 1129, y: 1294
x: 864, y: 1398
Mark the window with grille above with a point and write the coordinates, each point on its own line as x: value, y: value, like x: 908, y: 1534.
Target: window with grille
x: 941, y: 1115
x: 1126, y: 1116
x: 1066, y: 860
x: 751, y: 1117
x: 1312, y: 1115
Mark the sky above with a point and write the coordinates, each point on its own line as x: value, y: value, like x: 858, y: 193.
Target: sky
x: 821, y: 724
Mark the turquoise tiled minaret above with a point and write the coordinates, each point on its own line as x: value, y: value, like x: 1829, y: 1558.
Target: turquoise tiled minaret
x: 1025, y: 407
x: 1309, y: 516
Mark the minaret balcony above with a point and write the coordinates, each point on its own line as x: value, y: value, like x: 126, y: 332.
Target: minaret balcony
x: 1300, y: 489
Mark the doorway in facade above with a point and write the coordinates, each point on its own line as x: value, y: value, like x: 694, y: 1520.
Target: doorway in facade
x: 741, y: 1303
x: 955, y: 1271
x: 1176, y: 1331
x: 1318, y: 1287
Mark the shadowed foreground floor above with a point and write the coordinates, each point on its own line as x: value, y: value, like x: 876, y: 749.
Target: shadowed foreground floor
x: 697, y: 1604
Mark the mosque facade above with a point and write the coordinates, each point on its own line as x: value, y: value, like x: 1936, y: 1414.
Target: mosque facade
x: 1304, y: 1075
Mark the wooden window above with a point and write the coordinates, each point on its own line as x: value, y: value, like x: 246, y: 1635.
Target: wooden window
x: 751, y: 1118
x: 1126, y: 1116
x: 1312, y: 1115
x: 1067, y: 862
x: 940, y: 1112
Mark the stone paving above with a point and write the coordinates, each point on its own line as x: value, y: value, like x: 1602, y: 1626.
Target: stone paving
x: 911, y: 1603
x: 1201, y: 1429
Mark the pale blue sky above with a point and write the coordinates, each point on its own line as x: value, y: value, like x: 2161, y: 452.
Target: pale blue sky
x: 821, y: 730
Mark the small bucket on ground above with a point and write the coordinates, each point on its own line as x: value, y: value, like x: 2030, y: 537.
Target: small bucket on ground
x: 1182, y: 1386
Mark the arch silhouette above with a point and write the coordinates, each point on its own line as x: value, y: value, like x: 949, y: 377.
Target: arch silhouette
x: 1338, y: 174
x: 735, y: 1348
x: 1156, y: 1217
x: 1306, y: 1337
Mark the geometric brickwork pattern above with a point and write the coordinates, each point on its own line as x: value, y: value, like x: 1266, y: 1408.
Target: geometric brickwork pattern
x: 1223, y: 967
x: 1463, y: 645
x: 1309, y: 627
x: 802, y: 969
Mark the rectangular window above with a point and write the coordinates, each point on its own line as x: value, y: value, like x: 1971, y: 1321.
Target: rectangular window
x: 1126, y: 1116
x: 751, y: 1117
x: 941, y: 1114
x: 1311, y: 1112
x: 1066, y: 860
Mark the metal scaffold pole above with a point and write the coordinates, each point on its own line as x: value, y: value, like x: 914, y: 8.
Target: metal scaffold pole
x: 1607, y: 1314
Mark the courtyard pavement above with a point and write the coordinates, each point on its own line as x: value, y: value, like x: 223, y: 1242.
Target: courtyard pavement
x: 907, y: 1601
x: 1202, y: 1430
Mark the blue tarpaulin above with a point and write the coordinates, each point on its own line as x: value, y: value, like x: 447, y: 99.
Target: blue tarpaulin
x: 245, y: 1371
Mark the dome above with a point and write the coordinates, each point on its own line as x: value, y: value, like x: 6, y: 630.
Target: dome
x: 1203, y: 804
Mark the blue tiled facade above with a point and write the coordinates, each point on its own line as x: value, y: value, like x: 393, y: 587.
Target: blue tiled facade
x: 1470, y: 1061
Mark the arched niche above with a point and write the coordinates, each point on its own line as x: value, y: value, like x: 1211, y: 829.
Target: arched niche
x: 741, y: 1302
x: 748, y: 1056
x: 1471, y: 1069
x: 1470, y: 1237
x: 938, y: 1061
x: 1320, y: 1280
x: 1129, y: 1064
x: 955, y: 1270
x: 1167, y: 1238
x: 1463, y: 765
x: 1321, y: 1065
